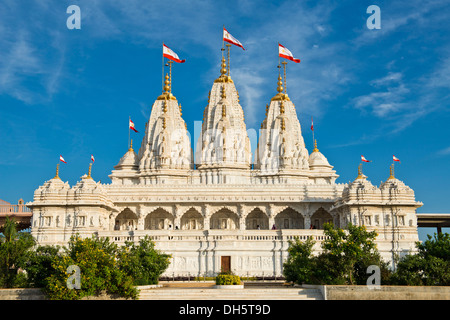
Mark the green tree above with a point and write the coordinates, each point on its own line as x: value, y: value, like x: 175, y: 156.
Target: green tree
x: 299, y: 266
x: 344, y: 260
x: 39, y: 265
x: 14, y: 251
x: 143, y: 262
x: 99, y: 271
x: 351, y: 247
x: 429, y: 266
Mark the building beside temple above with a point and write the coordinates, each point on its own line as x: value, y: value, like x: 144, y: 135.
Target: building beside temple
x: 223, y: 212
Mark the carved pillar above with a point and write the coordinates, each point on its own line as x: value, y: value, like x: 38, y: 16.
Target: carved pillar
x: 270, y: 213
x: 242, y: 216
x: 308, y: 221
x: 140, y: 214
x: 206, y: 216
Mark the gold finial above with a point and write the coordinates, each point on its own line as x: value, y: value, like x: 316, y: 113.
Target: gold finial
x: 167, y: 87
x: 223, y: 69
x: 164, y: 123
x: 209, y: 96
x: 167, y: 84
x: 165, y: 106
x: 89, y: 172
x: 280, y: 84
x: 391, y: 171
x: 315, y: 146
x: 131, y: 145
x: 57, y: 172
x: 283, y: 125
x: 267, y: 109
x: 223, y: 73
x: 179, y: 106
x: 360, y: 174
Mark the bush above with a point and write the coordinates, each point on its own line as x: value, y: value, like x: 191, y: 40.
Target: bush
x: 143, y: 262
x: 344, y: 260
x: 99, y: 271
x: 430, y: 266
x: 299, y: 265
x: 227, y: 278
x: 39, y: 265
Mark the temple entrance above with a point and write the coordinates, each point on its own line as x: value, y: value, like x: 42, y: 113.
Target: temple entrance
x: 225, y: 263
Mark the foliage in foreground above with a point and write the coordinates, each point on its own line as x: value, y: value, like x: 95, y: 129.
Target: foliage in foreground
x: 103, y: 266
x: 227, y: 278
x: 429, y: 267
x: 14, y: 252
x: 344, y: 260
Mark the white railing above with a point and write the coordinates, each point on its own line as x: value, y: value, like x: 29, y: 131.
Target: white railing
x: 213, y: 235
x: 13, y: 209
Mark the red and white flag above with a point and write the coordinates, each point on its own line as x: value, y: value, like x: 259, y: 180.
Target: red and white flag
x: 230, y: 39
x: 132, y: 126
x: 395, y: 158
x: 312, y: 124
x: 92, y: 158
x: 364, y: 159
x: 283, y: 52
x: 169, y: 54
x: 62, y: 159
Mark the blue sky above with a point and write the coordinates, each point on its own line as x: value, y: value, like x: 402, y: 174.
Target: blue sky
x: 371, y: 92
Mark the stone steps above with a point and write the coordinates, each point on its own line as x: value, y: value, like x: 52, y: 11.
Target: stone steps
x: 230, y: 294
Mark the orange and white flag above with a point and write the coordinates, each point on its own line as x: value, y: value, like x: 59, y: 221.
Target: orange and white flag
x: 169, y: 54
x: 283, y: 52
x: 132, y: 126
x: 395, y: 158
x: 230, y: 39
x: 62, y: 159
x: 364, y: 159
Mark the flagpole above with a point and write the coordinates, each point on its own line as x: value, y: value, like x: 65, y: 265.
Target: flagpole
x: 162, y: 72
x: 228, y: 57
x: 129, y: 119
x: 223, y: 41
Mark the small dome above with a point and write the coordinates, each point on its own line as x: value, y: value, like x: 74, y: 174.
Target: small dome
x: 128, y: 161
x: 317, y: 159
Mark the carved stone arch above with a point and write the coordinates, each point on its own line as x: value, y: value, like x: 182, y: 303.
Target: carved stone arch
x: 320, y: 217
x: 126, y: 219
x: 159, y: 218
x: 289, y: 218
x: 249, y: 209
x: 277, y: 209
x: 257, y: 219
x: 216, y: 209
x: 151, y: 210
x: 224, y: 218
x: 185, y: 209
x: 192, y: 219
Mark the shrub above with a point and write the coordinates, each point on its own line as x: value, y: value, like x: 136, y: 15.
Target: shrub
x: 430, y: 266
x: 99, y: 271
x: 227, y: 278
x: 39, y: 265
x: 143, y: 262
x: 299, y: 265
